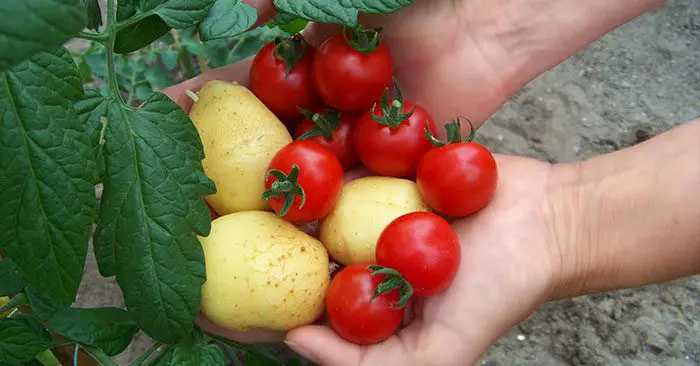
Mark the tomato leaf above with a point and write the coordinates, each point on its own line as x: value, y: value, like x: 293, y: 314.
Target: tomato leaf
x: 141, y: 34
x: 31, y: 26
x: 319, y: 10
x: 47, y: 173
x: 159, y: 17
x: 226, y: 19
x: 11, y: 279
x: 18, y: 341
x: 195, y: 351
x: 42, y: 304
x: 94, y: 15
x: 376, y: 6
x: 110, y: 329
x: 151, y: 207
x: 90, y: 111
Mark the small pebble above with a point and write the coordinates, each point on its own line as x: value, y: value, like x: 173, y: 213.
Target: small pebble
x: 521, y: 337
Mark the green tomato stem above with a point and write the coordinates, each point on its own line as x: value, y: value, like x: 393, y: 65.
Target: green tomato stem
x: 47, y: 358
x: 95, y: 37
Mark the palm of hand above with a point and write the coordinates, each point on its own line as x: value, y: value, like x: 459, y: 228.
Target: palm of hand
x: 504, y: 275
x: 505, y: 262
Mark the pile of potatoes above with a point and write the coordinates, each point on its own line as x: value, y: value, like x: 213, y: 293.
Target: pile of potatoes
x: 262, y: 271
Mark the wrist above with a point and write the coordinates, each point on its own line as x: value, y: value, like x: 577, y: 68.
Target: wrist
x: 570, y: 239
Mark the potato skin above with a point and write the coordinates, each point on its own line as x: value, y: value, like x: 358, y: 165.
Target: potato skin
x: 262, y: 272
x: 240, y: 136
x: 366, y: 206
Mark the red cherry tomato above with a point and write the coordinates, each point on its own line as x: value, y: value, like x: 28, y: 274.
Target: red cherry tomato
x: 333, y: 130
x: 424, y: 248
x: 351, y: 313
x: 269, y: 81
x: 304, y: 181
x: 394, y: 146
x: 348, y: 79
x: 457, y: 179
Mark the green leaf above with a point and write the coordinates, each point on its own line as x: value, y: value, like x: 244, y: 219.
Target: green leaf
x: 110, y: 329
x: 47, y: 173
x: 160, y: 17
x: 90, y: 111
x: 289, y: 23
x: 319, y: 10
x: 11, y: 279
x: 141, y: 34
x: 251, y: 42
x: 42, y: 304
x: 151, y: 207
x: 197, y: 355
x: 376, y: 6
x: 94, y: 15
x: 227, y: 19
x: 170, y: 57
x: 31, y: 26
x: 183, y: 13
x: 34, y: 322
x: 18, y: 342
x: 195, y: 351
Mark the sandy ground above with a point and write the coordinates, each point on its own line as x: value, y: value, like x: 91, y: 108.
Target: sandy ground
x: 636, y: 82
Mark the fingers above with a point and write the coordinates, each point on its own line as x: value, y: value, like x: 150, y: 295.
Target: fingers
x: 321, y: 345
x: 237, y: 72
x: 252, y: 336
x: 265, y: 8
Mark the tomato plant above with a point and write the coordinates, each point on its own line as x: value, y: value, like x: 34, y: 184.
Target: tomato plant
x: 333, y: 130
x: 459, y: 177
x: 280, y: 76
x: 424, y: 248
x: 357, y: 312
x: 303, y: 181
x: 352, y: 69
x: 390, y: 138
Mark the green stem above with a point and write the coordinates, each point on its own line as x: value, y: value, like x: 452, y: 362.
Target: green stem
x: 47, y: 358
x: 99, y: 356
x: 16, y: 300
x: 140, y: 360
x: 96, y: 37
x: 112, y: 36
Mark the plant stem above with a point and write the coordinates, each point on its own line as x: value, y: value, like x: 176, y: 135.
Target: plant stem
x: 76, y: 349
x: 96, y: 37
x: 16, y: 300
x: 47, y: 358
x: 140, y: 360
x: 112, y: 35
x: 99, y: 356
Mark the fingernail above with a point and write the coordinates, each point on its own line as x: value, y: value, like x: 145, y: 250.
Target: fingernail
x: 303, y: 352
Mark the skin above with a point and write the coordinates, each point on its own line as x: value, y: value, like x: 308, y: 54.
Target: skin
x: 551, y: 231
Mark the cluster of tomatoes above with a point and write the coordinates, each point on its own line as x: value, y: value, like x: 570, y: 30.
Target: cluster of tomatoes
x: 341, y: 93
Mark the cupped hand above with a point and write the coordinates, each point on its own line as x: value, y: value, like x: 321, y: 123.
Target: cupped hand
x: 463, y: 58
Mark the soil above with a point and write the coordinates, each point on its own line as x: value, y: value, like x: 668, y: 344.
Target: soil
x: 638, y: 81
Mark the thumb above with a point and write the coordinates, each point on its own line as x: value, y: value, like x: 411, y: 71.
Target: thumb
x: 321, y: 345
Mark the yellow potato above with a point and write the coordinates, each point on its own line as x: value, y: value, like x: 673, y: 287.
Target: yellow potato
x: 240, y: 136
x: 366, y: 206
x: 262, y: 272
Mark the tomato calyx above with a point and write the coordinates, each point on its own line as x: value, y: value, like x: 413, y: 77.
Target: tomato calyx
x: 289, y: 50
x: 364, y: 40
x: 454, y: 133
x: 392, y: 113
x: 324, y: 123
x: 393, y: 280
x: 286, y: 185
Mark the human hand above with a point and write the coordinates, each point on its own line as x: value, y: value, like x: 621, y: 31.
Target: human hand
x: 465, y: 58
